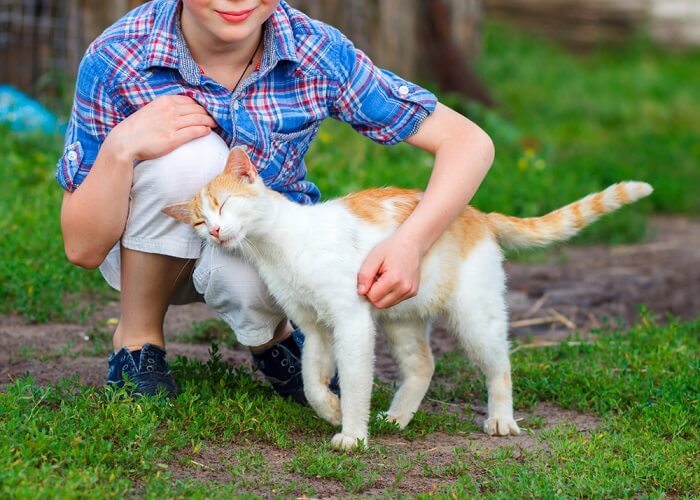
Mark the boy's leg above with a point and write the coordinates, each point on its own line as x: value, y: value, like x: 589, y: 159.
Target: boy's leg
x: 155, y: 258
x: 148, y: 282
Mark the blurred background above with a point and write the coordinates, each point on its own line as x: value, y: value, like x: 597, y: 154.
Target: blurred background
x: 576, y: 94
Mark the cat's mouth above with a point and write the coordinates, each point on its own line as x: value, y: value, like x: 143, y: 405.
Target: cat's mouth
x: 229, y: 242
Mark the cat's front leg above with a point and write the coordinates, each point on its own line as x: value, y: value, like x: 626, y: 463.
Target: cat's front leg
x: 317, y: 368
x: 354, y: 352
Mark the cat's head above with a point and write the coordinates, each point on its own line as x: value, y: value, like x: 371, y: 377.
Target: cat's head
x: 229, y: 207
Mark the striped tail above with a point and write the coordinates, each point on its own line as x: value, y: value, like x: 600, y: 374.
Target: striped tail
x: 562, y: 224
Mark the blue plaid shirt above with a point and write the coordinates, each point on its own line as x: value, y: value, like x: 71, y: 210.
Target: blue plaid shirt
x: 309, y: 71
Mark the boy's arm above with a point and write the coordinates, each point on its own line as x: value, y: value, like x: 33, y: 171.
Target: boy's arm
x: 463, y: 154
x: 93, y: 216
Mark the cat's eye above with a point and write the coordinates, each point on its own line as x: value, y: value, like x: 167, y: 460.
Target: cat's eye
x: 198, y: 223
x: 221, y: 207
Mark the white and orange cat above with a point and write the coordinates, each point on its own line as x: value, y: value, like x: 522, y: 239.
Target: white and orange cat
x: 309, y: 258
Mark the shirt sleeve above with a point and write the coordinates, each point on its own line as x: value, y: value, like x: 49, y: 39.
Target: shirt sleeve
x: 92, y: 117
x: 376, y: 102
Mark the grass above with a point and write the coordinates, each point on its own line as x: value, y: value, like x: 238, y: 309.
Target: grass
x: 567, y: 125
x: 70, y: 440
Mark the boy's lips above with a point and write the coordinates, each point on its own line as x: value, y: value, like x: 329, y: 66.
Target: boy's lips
x: 236, y: 16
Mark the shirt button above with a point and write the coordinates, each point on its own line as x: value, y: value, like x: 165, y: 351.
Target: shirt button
x: 236, y: 105
x: 72, y: 156
x: 403, y: 90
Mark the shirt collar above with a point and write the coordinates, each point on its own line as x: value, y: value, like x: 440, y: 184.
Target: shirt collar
x: 166, y: 46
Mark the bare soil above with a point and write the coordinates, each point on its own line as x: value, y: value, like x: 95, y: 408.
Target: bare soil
x: 571, y: 289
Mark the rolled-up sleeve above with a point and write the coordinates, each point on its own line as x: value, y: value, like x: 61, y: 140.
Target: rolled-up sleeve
x: 92, y: 117
x: 376, y: 102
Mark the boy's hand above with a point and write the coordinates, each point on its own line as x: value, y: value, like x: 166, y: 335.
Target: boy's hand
x: 390, y: 273
x: 160, y: 127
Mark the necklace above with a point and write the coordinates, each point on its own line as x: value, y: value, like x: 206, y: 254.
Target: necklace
x: 248, y: 65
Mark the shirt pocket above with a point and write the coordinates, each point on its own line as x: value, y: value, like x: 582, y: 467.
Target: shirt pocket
x: 286, y: 155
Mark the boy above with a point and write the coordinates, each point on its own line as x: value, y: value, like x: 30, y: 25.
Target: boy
x: 163, y: 94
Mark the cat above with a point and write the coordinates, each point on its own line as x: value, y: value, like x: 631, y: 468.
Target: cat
x: 309, y: 258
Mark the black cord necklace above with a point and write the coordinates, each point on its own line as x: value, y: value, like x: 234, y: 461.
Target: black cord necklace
x: 249, y: 64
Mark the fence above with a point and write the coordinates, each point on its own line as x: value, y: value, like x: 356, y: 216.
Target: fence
x: 581, y: 23
x: 42, y: 41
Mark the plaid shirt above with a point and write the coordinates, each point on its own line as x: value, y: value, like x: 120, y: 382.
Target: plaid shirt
x: 309, y: 71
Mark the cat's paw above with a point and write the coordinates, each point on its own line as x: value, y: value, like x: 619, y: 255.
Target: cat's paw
x: 401, y: 420
x: 330, y: 410
x: 345, y: 442
x: 501, y: 426
x: 326, y: 405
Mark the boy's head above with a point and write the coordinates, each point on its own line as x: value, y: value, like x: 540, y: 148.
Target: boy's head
x: 228, y: 21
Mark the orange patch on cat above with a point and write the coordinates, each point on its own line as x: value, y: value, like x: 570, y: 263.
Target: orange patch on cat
x: 597, y: 205
x: 469, y: 229
x: 229, y: 184
x: 578, y: 221
x: 382, y: 205
x: 621, y: 194
x: 392, y: 206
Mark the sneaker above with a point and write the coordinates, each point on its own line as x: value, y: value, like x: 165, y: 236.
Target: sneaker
x: 146, y: 367
x: 281, y: 365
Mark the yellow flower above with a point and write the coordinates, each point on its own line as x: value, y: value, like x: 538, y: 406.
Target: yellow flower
x: 522, y: 163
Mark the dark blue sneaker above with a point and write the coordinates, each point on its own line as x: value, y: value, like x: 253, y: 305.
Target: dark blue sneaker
x: 146, y: 367
x: 281, y: 365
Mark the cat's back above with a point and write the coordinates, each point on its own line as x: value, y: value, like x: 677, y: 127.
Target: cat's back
x: 389, y: 207
x: 386, y: 207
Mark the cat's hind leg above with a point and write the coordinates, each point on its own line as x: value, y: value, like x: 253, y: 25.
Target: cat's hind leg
x: 479, y: 317
x: 408, y: 341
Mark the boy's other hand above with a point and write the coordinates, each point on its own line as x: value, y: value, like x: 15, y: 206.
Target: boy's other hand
x: 390, y: 273
x: 160, y: 127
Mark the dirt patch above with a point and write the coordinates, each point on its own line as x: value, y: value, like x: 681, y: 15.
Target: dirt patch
x: 393, y: 462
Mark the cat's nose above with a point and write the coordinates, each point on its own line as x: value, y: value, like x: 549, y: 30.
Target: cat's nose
x: 215, y: 231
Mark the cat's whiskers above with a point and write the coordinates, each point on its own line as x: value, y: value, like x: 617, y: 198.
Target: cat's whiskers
x: 246, y: 241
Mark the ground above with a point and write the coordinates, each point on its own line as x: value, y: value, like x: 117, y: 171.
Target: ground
x: 572, y: 289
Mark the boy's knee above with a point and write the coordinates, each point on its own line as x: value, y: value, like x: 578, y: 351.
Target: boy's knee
x: 233, y: 288
x: 178, y: 175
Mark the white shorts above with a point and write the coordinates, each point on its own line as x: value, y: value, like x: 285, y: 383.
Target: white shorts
x: 229, y: 285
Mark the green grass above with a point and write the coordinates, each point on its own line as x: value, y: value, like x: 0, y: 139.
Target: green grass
x: 36, y: 279
x: 567, y: 125
x: 69, y: 440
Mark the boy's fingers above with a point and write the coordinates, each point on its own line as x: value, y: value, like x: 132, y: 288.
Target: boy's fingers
x: 195, y: 120
x: 191, y: 108
x: 369, y: 270
x: 189, y: 133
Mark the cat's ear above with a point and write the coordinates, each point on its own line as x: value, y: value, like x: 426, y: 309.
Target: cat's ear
x: 240, y: 166
x: 181, y: 212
